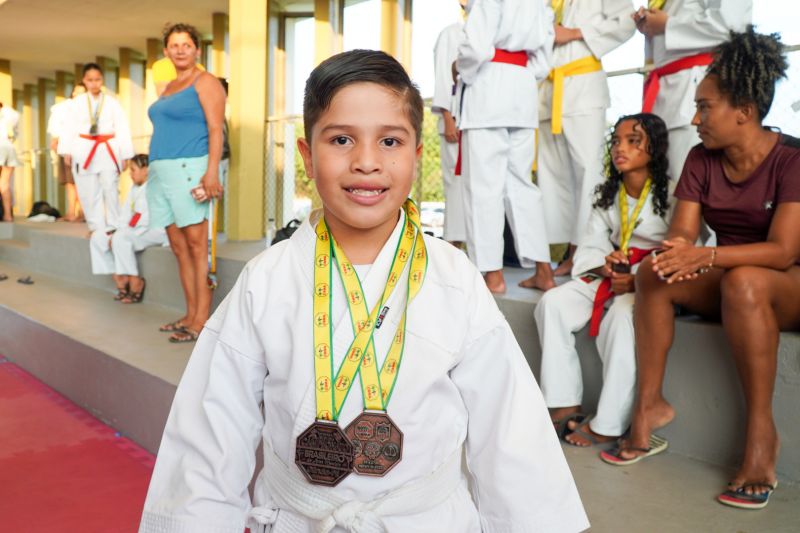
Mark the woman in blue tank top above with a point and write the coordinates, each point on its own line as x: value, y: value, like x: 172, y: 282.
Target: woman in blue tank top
x: 185, y: 152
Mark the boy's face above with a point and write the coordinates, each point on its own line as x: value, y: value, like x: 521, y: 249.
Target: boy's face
x: 363, y: 157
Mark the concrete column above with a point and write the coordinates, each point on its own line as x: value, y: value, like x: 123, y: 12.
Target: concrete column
x: 64, y: 83
x: 328, y: 26
x: 110, y: 69
x: 247, y: 97
x: 131, y: 97
x: 44, y: 171
x: 23, y: 181
x: 6, y: 85
x: 219, y: 25
x: 154, y: 48
x: 78, y: 72
x: 396, y: 30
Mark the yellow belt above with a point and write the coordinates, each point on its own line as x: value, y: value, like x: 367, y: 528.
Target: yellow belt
x: 584, y: 65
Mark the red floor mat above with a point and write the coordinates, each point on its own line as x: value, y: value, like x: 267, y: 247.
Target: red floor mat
x: 61, y: 469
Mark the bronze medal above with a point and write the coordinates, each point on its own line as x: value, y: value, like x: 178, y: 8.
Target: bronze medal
x: 324, y: 453
x: 93, y: 130
x: 377, y: 443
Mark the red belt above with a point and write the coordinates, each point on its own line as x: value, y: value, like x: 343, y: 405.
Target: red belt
x: 604, y: 294
x: 512, y: 58
x: 98, y: 140
x: 652, y: 85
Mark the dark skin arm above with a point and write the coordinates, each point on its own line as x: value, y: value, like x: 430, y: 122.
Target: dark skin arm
x: 682, y: 259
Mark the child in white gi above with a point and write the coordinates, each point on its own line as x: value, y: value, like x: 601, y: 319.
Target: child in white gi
x: 263, y: 368
x: 115, y: 254
x: 628, y: 220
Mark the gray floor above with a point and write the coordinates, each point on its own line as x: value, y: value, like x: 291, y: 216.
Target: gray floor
x: 664, y: 494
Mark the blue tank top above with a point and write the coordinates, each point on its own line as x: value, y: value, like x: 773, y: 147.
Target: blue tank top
x: 179, y: 126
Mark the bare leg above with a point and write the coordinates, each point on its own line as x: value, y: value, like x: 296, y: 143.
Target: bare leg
x: 542, y: 280
x: 495, y: 281
x: 197, y: 240
x: 180, y: 248
x: 5, y: 192
x: 654, y: 322
x: 73, y: 206
x: 565, y: 267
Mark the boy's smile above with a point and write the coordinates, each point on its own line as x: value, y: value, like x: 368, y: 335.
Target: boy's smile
x: 363, y: 157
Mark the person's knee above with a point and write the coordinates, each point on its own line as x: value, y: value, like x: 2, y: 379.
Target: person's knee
x: 744, y: 288
x: 646, y: 280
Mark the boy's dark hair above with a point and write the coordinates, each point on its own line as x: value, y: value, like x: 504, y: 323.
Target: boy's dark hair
x: 180, y: 27
x: 141, y: 160
x: 747, y: 67
x: 90, y: 66
x: 657, y: 146
x: 356, y: 66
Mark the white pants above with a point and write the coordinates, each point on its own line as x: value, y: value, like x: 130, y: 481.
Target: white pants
x: 454, y: 224
x: 559, y: 314
x: 99, y: 196
x: 570, y: 166
x: 120, y: 258
x: 496, y: 163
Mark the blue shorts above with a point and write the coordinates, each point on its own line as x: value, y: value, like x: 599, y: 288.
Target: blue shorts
x: 169, y: 191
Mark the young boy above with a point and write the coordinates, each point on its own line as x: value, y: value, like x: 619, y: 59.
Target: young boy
x: 289, y: 322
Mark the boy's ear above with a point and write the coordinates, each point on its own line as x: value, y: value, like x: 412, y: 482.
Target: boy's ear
x: 419, y: 150
x: 305, y: 153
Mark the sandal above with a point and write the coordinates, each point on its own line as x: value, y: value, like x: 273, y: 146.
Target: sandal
x: 25, y: 281
x: 561, y: 425
x: 173, y: 327
x: 3, y: 277
x: 739, y: 498
x: 614, y: 455
x: 135, y: 297
x: 122, y: 292
x: 186, y: 335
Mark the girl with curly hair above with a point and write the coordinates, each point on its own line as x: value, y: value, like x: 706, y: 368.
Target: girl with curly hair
x: 628, y: 221
x: 742, y: 180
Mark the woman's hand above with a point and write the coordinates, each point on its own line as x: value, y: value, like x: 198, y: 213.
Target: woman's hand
x: 614, y: 258
x: 211, y: 184
x: 681, y: 260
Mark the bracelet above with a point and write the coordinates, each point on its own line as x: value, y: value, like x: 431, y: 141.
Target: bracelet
x: 710, y: 263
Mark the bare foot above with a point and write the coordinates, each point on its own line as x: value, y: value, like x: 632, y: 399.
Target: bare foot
x: 646, y: 419
x: 542, y: 280
x: 580, y: 435
x: 564, y: 268
x: 495, y: 281
x: 760, y: 456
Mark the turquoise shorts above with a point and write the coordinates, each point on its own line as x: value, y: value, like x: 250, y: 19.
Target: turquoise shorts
x: 169, y: 192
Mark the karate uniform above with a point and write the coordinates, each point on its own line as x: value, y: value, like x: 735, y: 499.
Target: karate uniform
x: 693, y: 27
x: 566, y: 309
x: 463, y: 382
x: 570, y: 164
x: 498, y: 118
x: 444, y: 53
x: 97, y: 185
x: 133, y: 235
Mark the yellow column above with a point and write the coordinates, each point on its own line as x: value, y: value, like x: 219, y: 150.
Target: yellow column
x: 44, y: 172
x: 219, y: 25
x: 248, y: 103
x: 23, y: 181
x: 78, y: 69
x: 154, y: 48
x: 110, y: 68
x: 396, y: 30
x: 6, y: 86
x: 406, y: 35
x: 64, y: 82
x: 328, y: 21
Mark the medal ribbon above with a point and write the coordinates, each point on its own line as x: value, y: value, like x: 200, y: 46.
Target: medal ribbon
x: 558, y: 10
x: 627, y: 226
x: 332, y: 392
x: 656, y: 4
x: 95, y: 117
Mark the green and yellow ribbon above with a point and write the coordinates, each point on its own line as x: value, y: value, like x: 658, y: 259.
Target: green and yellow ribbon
x: 628, y: 225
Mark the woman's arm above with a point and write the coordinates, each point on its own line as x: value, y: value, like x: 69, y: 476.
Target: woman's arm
x: 212, y: 100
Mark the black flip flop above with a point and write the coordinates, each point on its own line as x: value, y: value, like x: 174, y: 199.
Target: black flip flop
x: 25, y: 281
x: 3, y: 277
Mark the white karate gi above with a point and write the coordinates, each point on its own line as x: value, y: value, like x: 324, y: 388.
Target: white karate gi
x: 570, y: 164
x: 97, y: 185
x: 498, y: 118
x: 463, y: 381
x: 693, y: 27
x: 444, y: 53
x: 127, y: 240
x: 565, y: 310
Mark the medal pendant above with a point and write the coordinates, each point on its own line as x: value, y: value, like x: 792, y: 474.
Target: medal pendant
x: 324, y: 453
x: 93, y: 130
x: 377, y: 443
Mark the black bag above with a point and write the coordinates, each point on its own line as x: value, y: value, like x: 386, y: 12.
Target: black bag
x: 286, y: 231
x: 42, y: 207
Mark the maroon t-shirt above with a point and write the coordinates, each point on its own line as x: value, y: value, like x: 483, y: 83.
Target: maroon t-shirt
x: 741, y: 213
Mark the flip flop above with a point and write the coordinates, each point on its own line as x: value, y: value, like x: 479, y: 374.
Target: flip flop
x: 560, y: 425
x: 25, y: 281
x: 3, y: 277
x: 579, y: 430
x: 614, y: 455
x: 740, y: 499
x: 172, y: 327
x: 187, y: 335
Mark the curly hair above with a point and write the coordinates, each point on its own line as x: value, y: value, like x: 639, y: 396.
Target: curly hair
x: 657, y: 145
x: 747, y: 67
x: 180, y: 27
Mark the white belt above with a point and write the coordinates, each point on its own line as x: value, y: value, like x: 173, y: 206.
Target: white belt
x: 290, y: 490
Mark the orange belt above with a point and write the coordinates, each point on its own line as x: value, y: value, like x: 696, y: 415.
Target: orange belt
x: 652, y: 85
x: 635, y: 255
x: 512, y: 58
x: 98, y: 140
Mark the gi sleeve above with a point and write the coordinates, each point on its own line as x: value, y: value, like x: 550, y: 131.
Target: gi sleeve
x: 521, y: 480
x: 595, y: 244
x: 609, y: 28
x: 480, y: 32
x: 442, y: 65
x: 689, y: 30
x: 122, y: 132
x: 207, y: 454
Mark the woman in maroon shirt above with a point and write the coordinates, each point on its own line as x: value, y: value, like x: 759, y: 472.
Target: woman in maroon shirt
x: 744, y: 180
